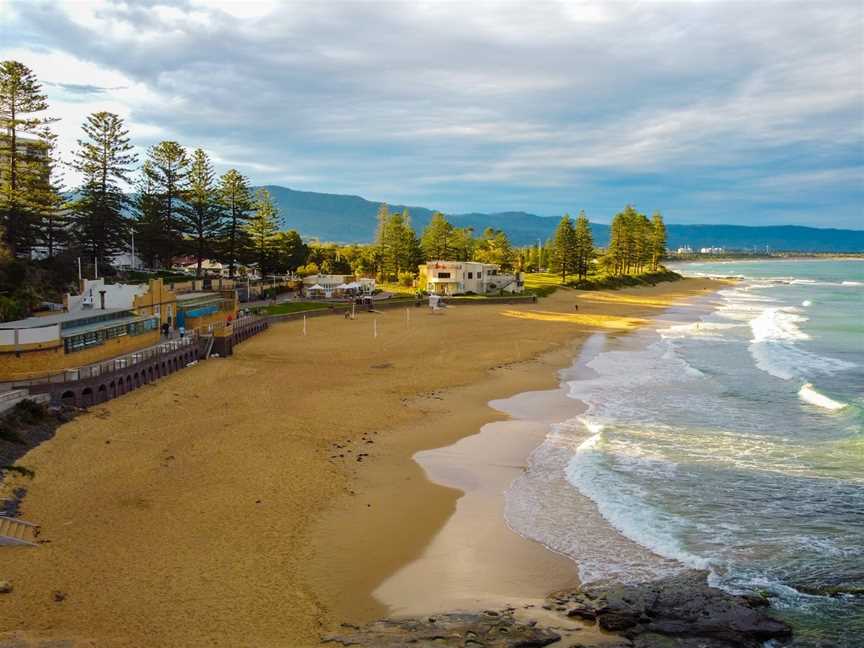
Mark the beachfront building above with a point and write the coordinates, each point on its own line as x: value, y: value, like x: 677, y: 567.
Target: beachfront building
x: 40, y: 346
x: 104, y: 321
x: 463, y: 277
x: 328, y: 286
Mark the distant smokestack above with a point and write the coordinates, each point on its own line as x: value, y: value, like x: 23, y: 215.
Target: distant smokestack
x: 102, y: 299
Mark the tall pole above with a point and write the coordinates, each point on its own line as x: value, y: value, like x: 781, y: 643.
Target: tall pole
x: 96, y: 266
x: 132, y: 260
x: 79, y: 270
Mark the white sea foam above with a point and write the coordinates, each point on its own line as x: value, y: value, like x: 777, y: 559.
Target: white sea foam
x: 711, y: 330
x: 778, y: 324
x: 851, y: 283
x: 806, y: 303
x: 808, y: 394
x: 621, y: 503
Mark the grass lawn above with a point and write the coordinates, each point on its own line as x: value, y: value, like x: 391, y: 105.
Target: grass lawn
x: 542, y: 284
x: 396, y: 288
x: 294, y: 307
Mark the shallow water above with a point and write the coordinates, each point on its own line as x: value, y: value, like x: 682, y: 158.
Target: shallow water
x: 729, y: 438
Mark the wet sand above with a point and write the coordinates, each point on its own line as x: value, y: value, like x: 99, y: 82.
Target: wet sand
x: 226, y: 506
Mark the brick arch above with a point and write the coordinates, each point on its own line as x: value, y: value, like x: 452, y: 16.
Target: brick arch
x: 128, y: 383
x: 112, y: 389
x: 102, y: 394
x: 68, y: 398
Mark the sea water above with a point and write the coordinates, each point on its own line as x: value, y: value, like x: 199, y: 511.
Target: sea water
x: 730, y: 438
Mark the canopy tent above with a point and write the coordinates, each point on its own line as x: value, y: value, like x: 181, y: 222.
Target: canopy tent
x: 317, y: 287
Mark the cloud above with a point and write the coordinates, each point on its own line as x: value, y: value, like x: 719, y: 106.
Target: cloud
x: 549, y: 107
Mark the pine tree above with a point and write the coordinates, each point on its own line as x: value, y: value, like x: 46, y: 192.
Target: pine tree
x: 261, y: 230
x: 169, y: 169
x: 658, y: 240
x: 289, y: 251
x: 24, y: 161
x: 236, y: 200
x: 52, y: 223
x: 564, y: 249
x: 437, y: 239
x: 463, y: 244
x: 494, y: 247
x: 397, y: 243
x: 204, y: 215
x: 104, y: 160
x: 148, y: 218
x: 584, y: 245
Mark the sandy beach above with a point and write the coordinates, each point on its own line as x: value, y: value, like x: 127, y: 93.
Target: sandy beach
x: 263, y: 499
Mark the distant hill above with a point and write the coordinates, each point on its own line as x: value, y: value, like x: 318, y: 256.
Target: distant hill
x: 347, y: 219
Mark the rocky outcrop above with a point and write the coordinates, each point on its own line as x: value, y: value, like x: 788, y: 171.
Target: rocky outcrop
x: 683, y: 608
x: 489, y: 629
x: 677, y: 612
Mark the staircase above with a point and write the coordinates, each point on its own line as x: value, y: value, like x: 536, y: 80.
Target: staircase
x: 17, y: 532
x: 205, y: 343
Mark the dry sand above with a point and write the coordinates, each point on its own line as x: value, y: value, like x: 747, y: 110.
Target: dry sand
x: 225, y: 505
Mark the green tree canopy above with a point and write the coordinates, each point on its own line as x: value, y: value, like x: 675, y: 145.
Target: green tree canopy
x: 437, y: 240
x: 204, y: 214
x: 169, y: 169
x: 236, y: 199
x: 261, y: 229
x: 104, y: 159
x: 584, y: 246
x: 564, y: 251
x: 27, y: 193
x: 494, y: 247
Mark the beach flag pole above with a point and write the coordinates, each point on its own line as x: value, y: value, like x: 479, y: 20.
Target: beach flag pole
x: 304, y: 325
x: 375, y: 327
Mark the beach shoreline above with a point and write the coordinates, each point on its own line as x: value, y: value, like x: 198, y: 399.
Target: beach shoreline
x: 472, y: 560
x: 260, y: 500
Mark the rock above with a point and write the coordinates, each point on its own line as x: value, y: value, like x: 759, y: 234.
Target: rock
x: 5, y: 587
x: 489, y: 630
x: 581, y: 611
x: 615, y: 621
x: 683, y: 608
x: 58, y: 596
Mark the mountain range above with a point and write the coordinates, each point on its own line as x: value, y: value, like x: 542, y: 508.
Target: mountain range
x: 352, y: 219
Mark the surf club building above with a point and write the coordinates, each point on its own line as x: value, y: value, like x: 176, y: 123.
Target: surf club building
x: 463, y: 277
x: 106, y: 321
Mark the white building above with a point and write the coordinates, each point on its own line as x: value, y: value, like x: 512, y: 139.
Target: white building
x: 461, y: 277
x: 97, y: 295
x: 321, y: 285
x: 712, y: 250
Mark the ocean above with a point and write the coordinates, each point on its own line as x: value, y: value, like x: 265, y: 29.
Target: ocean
x: 728, y: 437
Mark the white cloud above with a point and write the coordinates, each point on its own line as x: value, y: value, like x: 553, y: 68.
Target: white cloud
x: 480, y: 102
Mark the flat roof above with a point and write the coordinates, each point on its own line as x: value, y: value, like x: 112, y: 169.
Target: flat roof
x: 60, y: 318
x: 196, y: 295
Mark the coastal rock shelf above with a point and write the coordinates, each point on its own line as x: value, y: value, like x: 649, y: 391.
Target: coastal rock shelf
x: 677, y: 612
x: 489, y: 629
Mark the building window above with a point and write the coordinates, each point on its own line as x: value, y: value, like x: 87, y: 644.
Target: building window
x: 443, y: 275
x: 470, y: 275
x: 479, y: 275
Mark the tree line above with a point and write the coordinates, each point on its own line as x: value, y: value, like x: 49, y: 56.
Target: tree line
x: 178, y: 207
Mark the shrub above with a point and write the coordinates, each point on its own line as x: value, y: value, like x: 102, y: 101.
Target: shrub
x: 406, y: 279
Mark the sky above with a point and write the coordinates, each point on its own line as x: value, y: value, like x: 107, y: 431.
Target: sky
x: 711, y: 112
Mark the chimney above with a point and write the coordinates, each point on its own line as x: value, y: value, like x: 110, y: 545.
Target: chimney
x: 102, y: 299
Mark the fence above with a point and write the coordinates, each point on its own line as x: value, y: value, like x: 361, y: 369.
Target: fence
x: 169, y: 347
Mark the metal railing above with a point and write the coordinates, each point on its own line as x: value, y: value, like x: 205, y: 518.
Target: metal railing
x: 107, y: 366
